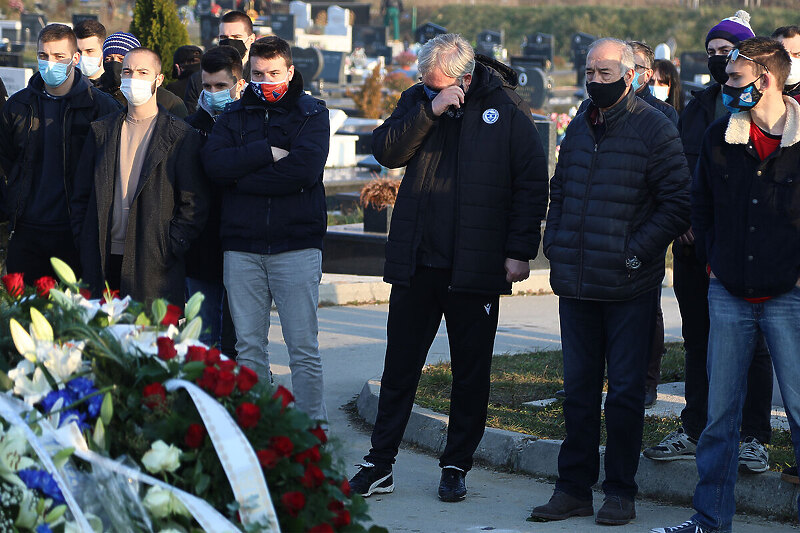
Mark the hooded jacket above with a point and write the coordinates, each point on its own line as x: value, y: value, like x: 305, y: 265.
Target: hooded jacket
x: 268, y: 206
x: 621, y: 195
x: 501, y: 181
x: 22, y: 138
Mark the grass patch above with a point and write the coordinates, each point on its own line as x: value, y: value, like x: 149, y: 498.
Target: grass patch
x: 531, y: 376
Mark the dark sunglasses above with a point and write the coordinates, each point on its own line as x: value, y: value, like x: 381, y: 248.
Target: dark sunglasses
x: 734, y: 54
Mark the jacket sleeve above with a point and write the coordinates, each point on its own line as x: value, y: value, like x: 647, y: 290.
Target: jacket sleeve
x: 397, y: 140
x: 703, y: 204
x: 225, y: 161
x: 83, y: 186
x: 668, y: 183
x: 528, y: 188
x: 553, y: 210
x: 192, y: 196
x: 7, y: 152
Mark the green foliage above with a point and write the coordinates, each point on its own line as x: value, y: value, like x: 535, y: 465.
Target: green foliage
x: 157, y: 26
x: 654, y: 25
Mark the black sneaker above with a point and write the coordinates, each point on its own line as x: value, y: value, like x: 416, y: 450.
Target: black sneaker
x: 560, y: 507
x: 789, y: 475
x: 616, y: 511
x: 452, y: 487
x: 372, y: 479
x: 561, y: 394
x: 687, y: 527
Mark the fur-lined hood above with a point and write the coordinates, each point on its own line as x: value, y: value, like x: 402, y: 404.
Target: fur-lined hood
x: 738, y: 131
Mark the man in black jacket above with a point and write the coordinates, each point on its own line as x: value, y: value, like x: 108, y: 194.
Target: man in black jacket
x: 185, y: 63
x: 267, y: 152
x: 465, y: 224
x: 42, y: 131
x: 140, y: 194
x: 691, y: 288
x: 746, y: 220
x: 619, y: 196
x: 91, y: 34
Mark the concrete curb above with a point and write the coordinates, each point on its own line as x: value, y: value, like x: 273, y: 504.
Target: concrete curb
x: 763, y: 494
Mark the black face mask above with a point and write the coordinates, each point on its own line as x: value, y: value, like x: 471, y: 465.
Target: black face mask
x: 112, y: 75
x: 605, y: 95
x: 236, y: 43
x: 716, y: 67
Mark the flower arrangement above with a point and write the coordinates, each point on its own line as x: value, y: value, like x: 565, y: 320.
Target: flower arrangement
x: 135, y: 422
x: 379, y: 193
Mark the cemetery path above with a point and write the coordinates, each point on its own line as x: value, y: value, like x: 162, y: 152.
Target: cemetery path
x: 352, y: 342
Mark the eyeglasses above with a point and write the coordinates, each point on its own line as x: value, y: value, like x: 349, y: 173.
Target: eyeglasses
x: 734, y: 54
x: 635, y: 67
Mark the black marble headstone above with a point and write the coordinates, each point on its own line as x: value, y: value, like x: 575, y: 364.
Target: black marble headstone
x: 487, y: 40
x: 692, y: 64
x: 580, y: 49
x: 10, y: 59
x: 532, y: 85
x: 282, y: 25
x: 368, y: 38
x: 32, y: 24
x: 428, y: 31
x: 309, y: 62
x: 539, y: 45
x: 332, y: 67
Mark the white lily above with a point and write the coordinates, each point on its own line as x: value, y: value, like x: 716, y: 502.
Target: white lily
x: 115, y: 308
x: 61, y: 361
x: 74, y: 300
x: 13, y: 447
x: 26, y: 519
x: 31, y: 389
x: 22, y: 340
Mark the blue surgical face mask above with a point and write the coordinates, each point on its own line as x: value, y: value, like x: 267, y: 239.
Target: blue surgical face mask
x: 430, y: 92
x: 218, y: 100
x: 54, y: 73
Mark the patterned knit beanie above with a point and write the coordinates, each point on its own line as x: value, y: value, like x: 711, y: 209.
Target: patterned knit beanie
x: 119, y: 43
x: 734, y: 29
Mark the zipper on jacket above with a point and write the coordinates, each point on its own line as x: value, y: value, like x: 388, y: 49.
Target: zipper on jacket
x: 64, y: 158
x: 583, y: 216
x: 24, y: 161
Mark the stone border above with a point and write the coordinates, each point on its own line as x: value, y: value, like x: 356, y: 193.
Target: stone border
x: 762, y: 494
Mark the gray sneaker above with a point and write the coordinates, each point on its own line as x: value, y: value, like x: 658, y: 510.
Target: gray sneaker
x: 675, y: 446
x: 753, y: 457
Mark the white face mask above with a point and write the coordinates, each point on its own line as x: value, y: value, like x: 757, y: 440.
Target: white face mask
x: 794, y: 73
x: 660, y: 92
x: 89, y: 65
x: 137, y: 92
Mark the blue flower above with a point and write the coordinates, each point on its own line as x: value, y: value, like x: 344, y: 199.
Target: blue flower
x: 81, y: 387
x: 76, y: 416
x: 95, y: 404
x: 43, y: 528
x: 43, y: 482
x: 53, y: 396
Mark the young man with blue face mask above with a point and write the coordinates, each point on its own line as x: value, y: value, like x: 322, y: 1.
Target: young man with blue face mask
x: 221, y: 76
x: 42, y: 131
x: 746, y: 221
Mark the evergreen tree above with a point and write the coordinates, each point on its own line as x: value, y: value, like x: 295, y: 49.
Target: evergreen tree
x: 157, y: 26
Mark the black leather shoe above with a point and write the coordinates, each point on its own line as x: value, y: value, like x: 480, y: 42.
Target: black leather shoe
x: 560, y: 507
x: 616, y: 511
x: 452, y: 487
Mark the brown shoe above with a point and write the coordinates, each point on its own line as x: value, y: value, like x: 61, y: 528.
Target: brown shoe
x: 616, y: 511
x: 561, y: 506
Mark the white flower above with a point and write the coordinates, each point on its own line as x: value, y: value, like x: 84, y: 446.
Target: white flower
x: 26, y: 519
x: 31, y: 390
x: 74, y: 300
x: 94, y: 521
x: 161, y: 503
x: 115, y: 308
x: 13, y: 447
x: 61, y: 361
x: 161, y: 457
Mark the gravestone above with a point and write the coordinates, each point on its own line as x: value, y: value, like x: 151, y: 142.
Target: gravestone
x: 488, y: 41
x: 338, y: 21
x: 32, y: 24
x: 309, y: 62
x: 428, y: 31
x: 532, y: 85
x: 539, y: 45
x: 368, y: 37
x: 10, y: 59
x: 694, y: 64
x: 203, y: 6
x: 77, y: 18
x: 579, y: 51
x: 282, y: 25
x: 548, y: 135
x: 302, y: 14
x: 209, y: 29
x: 333, y: 67
x: 15, y: 79
x: 10, y: 29
x: 386, y: 52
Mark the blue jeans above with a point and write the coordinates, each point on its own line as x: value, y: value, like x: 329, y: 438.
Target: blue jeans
x: 210, y: 311
x: 735, y: 325
x: 290, y: 279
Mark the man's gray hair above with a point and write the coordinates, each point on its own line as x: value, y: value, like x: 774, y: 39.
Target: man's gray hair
x: 627, y: 61
x: 448, y: 52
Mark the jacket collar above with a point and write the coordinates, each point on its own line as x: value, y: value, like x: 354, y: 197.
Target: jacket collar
x: 620, y: 110
x: 80, y: 95
x: 738, y: 130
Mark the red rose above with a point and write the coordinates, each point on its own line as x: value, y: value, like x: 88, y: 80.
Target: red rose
x: 109, y: 295
x: 166, y: 348
x: 195, y: 353
x: 345, y: 487
x: 293, y: 502
x: 321, y: 528
x: 267, y: 458
x: 312, y: 454
x: 247, y: 415
x: 228, y: 365
x: 85, y: 293
x: 336, y: 506
x: 173, y: 314
x: 15, y: 284
x: 212, y: 356
x: 226, y: 382
x: 246, y: 379
x: 43, y: 286
x: 283, y: 446
x: 154, y: 395
x: 320, y: 434
x: 284, y: 396
x: 313, y: 477
x: 194, y: 436
x: 342, y: 518
x: 209, y: 379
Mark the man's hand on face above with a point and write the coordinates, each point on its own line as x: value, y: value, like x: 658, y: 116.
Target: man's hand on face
x: 278, y: 153
x: 517, y: 270
x: 449, y: 96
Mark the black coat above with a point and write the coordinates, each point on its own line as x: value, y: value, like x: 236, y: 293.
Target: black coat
x: 625, y: 194
x: 167, y: 212
x: 21, y: 137
x: 745, y: 211
x: 268, y: 206
x: 501, y: 186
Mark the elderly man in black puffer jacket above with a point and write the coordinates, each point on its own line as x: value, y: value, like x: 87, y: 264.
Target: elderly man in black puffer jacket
x: 466, y: 221
x: 619, y: 196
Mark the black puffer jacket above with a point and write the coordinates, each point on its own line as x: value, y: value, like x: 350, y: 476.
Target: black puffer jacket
x: 501, y: 187
x: 21, y: 137
x: 623, y: 195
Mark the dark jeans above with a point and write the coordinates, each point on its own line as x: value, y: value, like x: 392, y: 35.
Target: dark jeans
x: 415, y: 313
x: 217, y: 323
x: 30, y: 250
x: 657, y: 350
x: 595, y: 334
x: 691, y: 290
x: 114, y: 273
